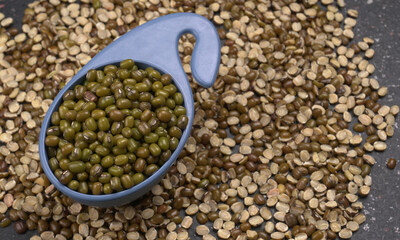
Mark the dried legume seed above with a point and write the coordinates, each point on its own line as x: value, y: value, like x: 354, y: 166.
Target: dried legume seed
x: 391, y: 163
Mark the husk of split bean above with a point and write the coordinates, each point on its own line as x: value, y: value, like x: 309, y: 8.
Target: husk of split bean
x: 274, y: 132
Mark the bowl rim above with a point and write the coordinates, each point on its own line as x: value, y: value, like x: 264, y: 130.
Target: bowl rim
x: 148, y: 182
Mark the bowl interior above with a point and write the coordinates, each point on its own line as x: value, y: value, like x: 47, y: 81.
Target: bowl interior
x: 136, y: 191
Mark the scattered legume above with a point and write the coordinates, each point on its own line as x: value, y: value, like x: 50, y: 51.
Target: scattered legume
x: 265, y: 130
x: 391, y: 163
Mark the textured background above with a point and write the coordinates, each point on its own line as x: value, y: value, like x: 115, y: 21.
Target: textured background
x: 379, y: 20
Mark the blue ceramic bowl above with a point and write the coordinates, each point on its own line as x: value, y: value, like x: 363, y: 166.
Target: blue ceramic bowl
x: 153, y: 44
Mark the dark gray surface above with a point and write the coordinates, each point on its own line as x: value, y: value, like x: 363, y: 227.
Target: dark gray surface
x: 378, y: 19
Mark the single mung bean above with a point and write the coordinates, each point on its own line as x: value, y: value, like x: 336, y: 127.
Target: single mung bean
x: 391, y: 163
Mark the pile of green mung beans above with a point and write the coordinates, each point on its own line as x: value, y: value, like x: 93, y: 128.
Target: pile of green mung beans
x: 116, y: 129
x: 272, y: 154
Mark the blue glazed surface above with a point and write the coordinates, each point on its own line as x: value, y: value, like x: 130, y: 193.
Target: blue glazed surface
x: 154, y: 44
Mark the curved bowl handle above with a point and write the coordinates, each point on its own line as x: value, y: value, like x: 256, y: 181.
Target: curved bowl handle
x: 156, y: 43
